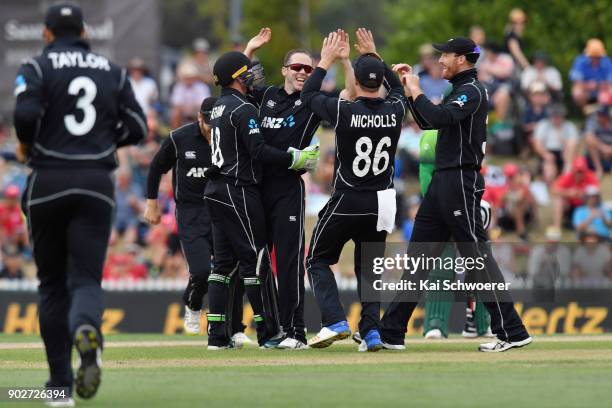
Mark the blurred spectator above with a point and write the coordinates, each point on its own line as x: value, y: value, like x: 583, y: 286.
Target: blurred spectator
x: 555, y: 141
x: 145, y: 88
x: 432, y: 83
x: 200, y: 60
x: 324, y: 174
x: 598, y: 140
x: 592, y: 262
x: 592, y: 216
x: 427, y: 57
x: 513, y: 37
x: 12, y: 225
x: 408, y: 148
x: 550, y: 262
x: 11, y: 263
x: 591, y: 75
x: 478, y: 35
x: 187, y: 96
x: 569, y: 188
x: 129, y: 204
x: 541, y: 72
x: 535, y: 110
x: 124, y: 265
x: 414, y: 201
x: 495, y: 73
x: 518, y: 206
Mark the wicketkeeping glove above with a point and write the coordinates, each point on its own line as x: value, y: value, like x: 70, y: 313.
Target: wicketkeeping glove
x: 306, y: 159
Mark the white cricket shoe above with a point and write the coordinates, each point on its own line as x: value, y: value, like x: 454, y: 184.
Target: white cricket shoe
x: 217, y: 348
x: 191, y: 321
x: 330, y: 334
x: 240, y: 340
x: 499, y: 346
x: 60, y: 402
x: 292, y: 344
x: 434, y: 334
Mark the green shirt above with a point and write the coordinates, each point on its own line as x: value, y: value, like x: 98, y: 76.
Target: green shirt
x: 427, y: 158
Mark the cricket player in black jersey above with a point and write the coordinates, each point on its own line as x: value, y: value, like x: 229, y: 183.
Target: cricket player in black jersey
x: 451, y: 206
x: 362, y: 206
x: 239, y: 231
x: 286, y: 122
x: 74, y: 109
x: 187, y: 152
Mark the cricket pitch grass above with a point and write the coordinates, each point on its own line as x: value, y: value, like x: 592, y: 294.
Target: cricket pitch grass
x: 177, y: 371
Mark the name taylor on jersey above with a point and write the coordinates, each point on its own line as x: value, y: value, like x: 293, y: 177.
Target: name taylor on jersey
x: 373, y: 121
x: 76, y: 59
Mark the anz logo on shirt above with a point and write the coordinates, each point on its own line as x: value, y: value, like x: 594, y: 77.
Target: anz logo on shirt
x: 461, y: 100
x: 253, y: 126
x: 277, y: 123
x: 197, y: 172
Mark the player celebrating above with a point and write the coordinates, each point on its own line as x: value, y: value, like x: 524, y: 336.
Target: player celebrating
x: 450, y: 205
x: 286, y: 122
x: 187, y: 152
x: 234, y: 198
x: 74, y: 109
x: 362, y: 206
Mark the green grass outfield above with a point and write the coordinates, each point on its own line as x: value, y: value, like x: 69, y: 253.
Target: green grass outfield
x: 175, y: 371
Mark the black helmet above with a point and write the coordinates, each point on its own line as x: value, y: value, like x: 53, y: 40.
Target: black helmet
x: 235, y: 65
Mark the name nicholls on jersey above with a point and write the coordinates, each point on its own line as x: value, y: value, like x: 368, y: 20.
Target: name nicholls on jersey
x: 73, y: 59
x: 373, y: 121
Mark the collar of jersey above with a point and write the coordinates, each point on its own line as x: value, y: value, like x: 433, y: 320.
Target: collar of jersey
x: 231, y: 91
x: 464, y: 76
x: 284, y: 94
x: 62, y: 42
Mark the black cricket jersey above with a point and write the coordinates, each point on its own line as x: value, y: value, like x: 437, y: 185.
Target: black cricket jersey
x: 461, y: 119
x: 188, y: 154
x: 238, y: 146
x: 285, y: 122
x: 367, y: 132
x: 75, y: 107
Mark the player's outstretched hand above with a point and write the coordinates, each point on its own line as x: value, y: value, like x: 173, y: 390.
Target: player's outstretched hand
x: 332, y: 49
x: 306, y: 159
x: 365, y: 42
x: 152, y: 215
x: 344, y: 49
x: 262, y: 38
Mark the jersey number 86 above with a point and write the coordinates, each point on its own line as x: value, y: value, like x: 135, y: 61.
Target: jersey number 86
x: 362, y: 162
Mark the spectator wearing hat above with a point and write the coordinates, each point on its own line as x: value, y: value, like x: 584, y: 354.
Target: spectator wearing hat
x: 187, y: 95
x: 569, y: 188
x: 200, y: 59
x: 591, y: 75
x: 536, y: 109
x: 549, y: 262
x: 598, y: 138
x: 144, y: 87
x: 555, y: 140
x: 544, y: 73
x: 518, y: 206
x: 513, y: 37
x: 592, y: 216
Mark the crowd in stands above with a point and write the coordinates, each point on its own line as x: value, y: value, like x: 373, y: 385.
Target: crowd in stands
x: 545, y: 171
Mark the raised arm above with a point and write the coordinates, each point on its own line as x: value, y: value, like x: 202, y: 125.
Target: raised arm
x: 262, y: 38
x: 324, y: 106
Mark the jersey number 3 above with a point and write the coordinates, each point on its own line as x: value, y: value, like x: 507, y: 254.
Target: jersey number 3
x: 84, y: 103
x: 215, y: 145
x: 363, y: 162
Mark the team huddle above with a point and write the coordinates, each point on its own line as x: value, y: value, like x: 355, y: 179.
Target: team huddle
x: 239, y: 192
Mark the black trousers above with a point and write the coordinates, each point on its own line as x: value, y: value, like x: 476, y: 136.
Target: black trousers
x: 283, y: 201
x: 348, y: 215
x: 196, y: 237
x: 451, y: 208
x: 239, y: 236
x: 69, y: 217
